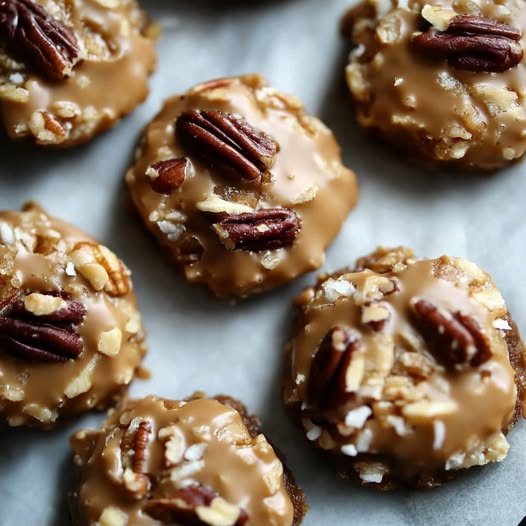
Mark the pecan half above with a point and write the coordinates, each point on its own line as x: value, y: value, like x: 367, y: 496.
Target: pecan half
x: 134, y: 452
x: 473, y: 43
x: 195, y: 505
x: 453, y: 339
x: 262, y: 229
x: 50, y: 337
x: 32, y: 34
x: 327, y: 378
x: 168, y: 175
x: 227, y: 143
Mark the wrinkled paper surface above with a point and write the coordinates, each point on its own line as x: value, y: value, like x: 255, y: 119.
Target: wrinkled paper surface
x: 199, y: 343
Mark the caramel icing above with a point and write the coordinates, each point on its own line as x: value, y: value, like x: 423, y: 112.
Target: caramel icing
x: 418, y: 416
x: 35, y: 257
x: 307, y: 176
x: 112, y: 78
x: 214, y: 450
x: 470, y: 119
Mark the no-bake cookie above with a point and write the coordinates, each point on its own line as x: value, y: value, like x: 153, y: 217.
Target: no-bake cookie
x: 242, y: 188
x: 202, y: 462
x: 443, y: 80
x: 71, y: 337
x: 71, y: 68
x: 406, y: 370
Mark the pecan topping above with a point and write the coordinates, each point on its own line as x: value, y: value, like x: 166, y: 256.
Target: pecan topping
x: 327, y: 378
x: 375, y: 314
x: 41, y: 335
x: 31, y: 33
x: 102, y: 268
x: 454, y: 339
x: 190, y: 250
x: 195, y: 505
x: 226, y: 142
x: 167, y: 175
x: 134, y: 450
x: 473, y: 43
x: 263, y: 229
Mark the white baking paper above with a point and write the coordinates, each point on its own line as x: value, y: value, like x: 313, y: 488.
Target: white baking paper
x: 200, y: 343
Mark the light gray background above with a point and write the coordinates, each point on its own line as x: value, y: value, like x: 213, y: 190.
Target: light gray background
x: 200, y: 343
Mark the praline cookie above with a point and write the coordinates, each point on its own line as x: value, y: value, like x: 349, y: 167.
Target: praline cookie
x: 443, y: 80
x: 69, y: 70
x: 407, y: 370
x: 71, y: 337
x: 242, y: 188
x: 201, y: 461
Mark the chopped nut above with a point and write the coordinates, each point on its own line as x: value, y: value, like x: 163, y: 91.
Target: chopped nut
x: 112, y: 516
x: 42, y: 414
x: 110, y: 342
x: 219, y: 513
x: 215, y: 205
x: 423, y: 411
x: 42, y: 304
x: 102, y: 268
x: 438, y: 16
x: 357, y: 417
x: 83, y: 382
x: 371, y: 472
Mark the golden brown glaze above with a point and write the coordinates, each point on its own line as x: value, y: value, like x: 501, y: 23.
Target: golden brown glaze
x: 117, y: 55
x: 404, y: 411
x: 439, y: 114
x: 194, y: 447
x: 307, y: 177
x: 43, y: 260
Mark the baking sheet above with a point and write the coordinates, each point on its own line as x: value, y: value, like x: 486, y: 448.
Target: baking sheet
x: 199, y: 343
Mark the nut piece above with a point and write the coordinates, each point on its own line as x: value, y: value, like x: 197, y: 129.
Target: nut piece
x: 327, y: 379
x: 263, y: 229
x: 196, y: 505
x: 455, y: 340
x: 41, y: 333
x: 226, y: 142
x: 102, y: 268
x: 167, y: 175
x: 32, y: 34
x: 473, y: 43
x: 134, y: 452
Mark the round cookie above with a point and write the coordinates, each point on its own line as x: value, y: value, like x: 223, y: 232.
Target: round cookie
x: 69, y: 70
x: 232, y: 179
x: 406, y: 370
x: 202, y: 461
x: 442, y: 80
x: 71, y: 337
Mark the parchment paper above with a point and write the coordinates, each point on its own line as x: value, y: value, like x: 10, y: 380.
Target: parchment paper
x: 199, y: 343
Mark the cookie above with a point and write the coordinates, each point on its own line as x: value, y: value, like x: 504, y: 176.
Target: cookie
x: 69, y: 70
x: 442, y: 80
x: 232, y: 179
x: 408, y: 371
x: 201, y: 461
x: 71, y: 337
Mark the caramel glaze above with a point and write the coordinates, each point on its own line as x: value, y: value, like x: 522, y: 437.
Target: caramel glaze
x: 36, y: 393
x: 308, y: 159
x: 483, y: 398
x: 108, y: 83
x: 439, y: 113
x: 240, y: 467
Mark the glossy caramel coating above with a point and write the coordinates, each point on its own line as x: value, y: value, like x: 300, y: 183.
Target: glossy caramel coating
x: 109, y: 79
x: 436, y: 113
x: 305, y: 176
x: 428, y: 381
x: 197, y: 461
x: 48, y: 268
